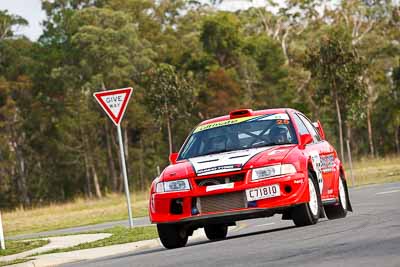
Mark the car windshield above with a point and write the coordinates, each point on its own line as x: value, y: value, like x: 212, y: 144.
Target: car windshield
x: 239, y: 134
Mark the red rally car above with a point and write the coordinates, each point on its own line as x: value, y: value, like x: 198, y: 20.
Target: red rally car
x: 248, y: 164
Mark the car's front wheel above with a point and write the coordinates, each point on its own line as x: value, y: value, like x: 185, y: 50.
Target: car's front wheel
x: 338, y: 210
x: 216, y: 231
x: 172, y: 235
x: 308, y: 213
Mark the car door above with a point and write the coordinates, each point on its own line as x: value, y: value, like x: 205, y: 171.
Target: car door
x: 312, y: 150
x: 326, y: 157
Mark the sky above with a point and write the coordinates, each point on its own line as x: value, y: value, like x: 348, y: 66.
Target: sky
x: 32, y: 12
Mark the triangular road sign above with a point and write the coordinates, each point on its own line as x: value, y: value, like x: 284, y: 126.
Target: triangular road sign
x: 114, y: 102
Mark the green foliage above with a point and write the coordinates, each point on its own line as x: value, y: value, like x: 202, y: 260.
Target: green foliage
x: 8, y: 22
x: 221, y: 37
x: 120, y: 235
x: 187, y: 62
x: 15, y: 247
x: 337, y: 67
x: 272, y: 89
x: 8, y: 263
x: 169, y: 94
x: 168, y: 97
x: 221, y: 95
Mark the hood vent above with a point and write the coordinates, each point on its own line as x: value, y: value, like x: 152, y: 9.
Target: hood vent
x: 206, y: 161
x: 241, y: 156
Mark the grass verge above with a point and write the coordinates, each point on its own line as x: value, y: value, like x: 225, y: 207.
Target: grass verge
x: 15, y: 247
x: 7, y: 263
x: 120, y: 235
x: 374, y: 171
x: 79, y: 212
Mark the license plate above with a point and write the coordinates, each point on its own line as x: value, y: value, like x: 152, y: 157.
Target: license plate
x: 263, y: 192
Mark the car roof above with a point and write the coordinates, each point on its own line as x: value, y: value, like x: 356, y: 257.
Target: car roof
x: 254, y: 113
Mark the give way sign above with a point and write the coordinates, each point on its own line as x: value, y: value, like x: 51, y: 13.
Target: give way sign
x: 114, y: 102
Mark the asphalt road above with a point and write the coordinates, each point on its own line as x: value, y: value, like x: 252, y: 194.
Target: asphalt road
x: 370, y: 236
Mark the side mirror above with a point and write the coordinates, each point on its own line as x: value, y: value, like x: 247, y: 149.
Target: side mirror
x: 318, y: 126
x: 305, y: 139
x: 173, y: 157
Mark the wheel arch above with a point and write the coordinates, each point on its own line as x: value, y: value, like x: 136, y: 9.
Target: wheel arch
x: 310, y: 168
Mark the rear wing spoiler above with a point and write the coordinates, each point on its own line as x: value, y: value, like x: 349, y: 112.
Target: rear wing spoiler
x: 318, y: 126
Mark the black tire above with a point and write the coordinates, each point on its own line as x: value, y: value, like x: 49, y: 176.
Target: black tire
x: 172, y: 235
x: 303, y: 214
x: 216, y: 231
x: 338, y: 210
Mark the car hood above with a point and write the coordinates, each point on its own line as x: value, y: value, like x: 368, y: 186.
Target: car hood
x: 227, y: 162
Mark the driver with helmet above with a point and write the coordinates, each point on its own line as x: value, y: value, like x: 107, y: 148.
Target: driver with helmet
x: 279, y: 134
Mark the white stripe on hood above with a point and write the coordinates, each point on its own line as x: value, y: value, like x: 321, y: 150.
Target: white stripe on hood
x: 224, y: 162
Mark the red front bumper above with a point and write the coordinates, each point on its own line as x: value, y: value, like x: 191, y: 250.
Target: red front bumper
x: 293, y: 188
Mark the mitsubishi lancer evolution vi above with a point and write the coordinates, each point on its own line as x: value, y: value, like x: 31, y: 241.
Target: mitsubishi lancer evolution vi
x: 245, y: 165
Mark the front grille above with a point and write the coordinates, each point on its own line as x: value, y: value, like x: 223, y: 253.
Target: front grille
x: 221, y: 180
x: 222, y: 202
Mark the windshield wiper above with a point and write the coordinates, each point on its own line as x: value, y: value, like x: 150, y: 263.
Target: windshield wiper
x: 271, y: 144
x: 215, y: 152
x: 244, y: 148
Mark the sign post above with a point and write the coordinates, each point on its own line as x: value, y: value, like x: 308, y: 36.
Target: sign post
x: 2, y: 242
x: 114, y: 103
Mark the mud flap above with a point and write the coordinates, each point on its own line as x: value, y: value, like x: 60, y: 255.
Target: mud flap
x: 349, y: 207
x: 322, y: 214
x: 286, y: 215
x: 321, y: 206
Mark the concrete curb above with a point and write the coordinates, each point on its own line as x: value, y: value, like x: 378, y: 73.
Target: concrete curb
x: 57, y: 243
x: 94, y: 253
x: 87, y: 254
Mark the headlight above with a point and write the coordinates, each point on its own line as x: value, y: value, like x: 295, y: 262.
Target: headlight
x: 273, y: 170
x: 170, y: 186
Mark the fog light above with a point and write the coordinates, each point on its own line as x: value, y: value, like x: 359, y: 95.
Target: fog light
x: 288, y: 189
x: 252, y: 204
x: 195, y: 210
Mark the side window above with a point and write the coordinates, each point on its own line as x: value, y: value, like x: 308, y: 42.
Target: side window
x: 310, y: 127
x: 300, y: 125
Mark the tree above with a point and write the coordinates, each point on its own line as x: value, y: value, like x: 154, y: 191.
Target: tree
x: 337, y: 68
x: 15, y: 91
x: 110, y: 56
x: 221, y: 95
x: 221, y: 37
x: 395, y: 97
x: 8, y: 22
x: 368, y: 22
x: 270, y: 87
x: 168, y: 96
x: 283, y: 21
